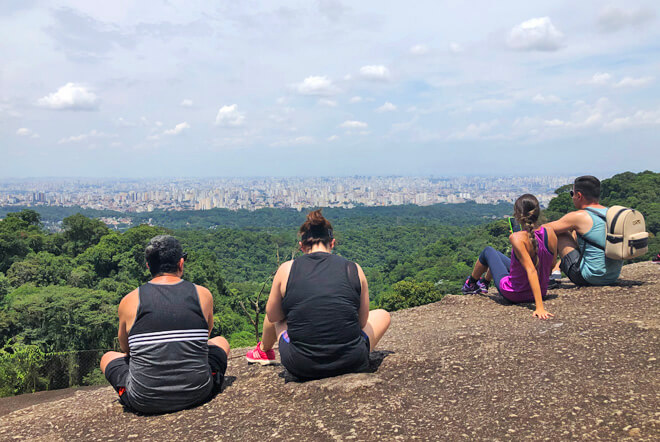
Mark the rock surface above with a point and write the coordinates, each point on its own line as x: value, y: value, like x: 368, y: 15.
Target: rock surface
x: 468, y: 367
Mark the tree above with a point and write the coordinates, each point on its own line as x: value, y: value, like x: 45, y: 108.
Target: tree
x: 5, y: 287
x: 81, y: 232
x: 406, y: 294
x: 28, y: 216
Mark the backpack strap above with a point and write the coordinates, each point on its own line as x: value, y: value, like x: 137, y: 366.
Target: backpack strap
x: 615, y: 218
x: 597, y: 213
x: 586, y: 240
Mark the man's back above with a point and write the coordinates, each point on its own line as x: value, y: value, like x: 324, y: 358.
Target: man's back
x: 168, y: 350
x: 595, y: 267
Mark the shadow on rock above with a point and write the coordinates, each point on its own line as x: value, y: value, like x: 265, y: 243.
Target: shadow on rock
x: 627, y: 283
x: 501, y: 300
x: 226, y: 383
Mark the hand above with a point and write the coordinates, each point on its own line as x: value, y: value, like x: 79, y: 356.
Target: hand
x: 542, y: 314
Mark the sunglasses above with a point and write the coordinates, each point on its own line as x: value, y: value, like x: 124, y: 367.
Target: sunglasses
x: 184, y: 256
x: 571, y: 193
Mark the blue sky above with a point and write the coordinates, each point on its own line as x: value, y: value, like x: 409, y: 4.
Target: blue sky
x: 198, y: 88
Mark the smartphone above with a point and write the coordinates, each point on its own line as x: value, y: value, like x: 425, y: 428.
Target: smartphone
x: 514, y: 225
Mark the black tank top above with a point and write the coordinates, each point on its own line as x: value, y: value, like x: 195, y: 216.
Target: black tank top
x: 321, y: 306
x: 168, y: 343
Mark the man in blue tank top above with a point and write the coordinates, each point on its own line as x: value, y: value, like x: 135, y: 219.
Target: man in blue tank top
x: 167, y: 361
x: 581, y: 237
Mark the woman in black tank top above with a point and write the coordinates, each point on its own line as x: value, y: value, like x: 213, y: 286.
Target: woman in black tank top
x: 318, y: 308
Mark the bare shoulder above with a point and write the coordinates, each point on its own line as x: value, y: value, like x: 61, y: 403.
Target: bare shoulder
x: 549, y: 231
x: 520, y: 236
x: 130, y: 298
x: 204, y: 294
x: 576, y: 215
x: 203, y: 290
x: 284, y: 269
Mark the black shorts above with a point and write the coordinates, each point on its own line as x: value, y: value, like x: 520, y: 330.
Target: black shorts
x: 306, y: 368
x: 116, y: 372
x: 570, y: 265
x: 218, y: 364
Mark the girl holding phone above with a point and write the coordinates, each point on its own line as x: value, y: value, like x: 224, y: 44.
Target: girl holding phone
x: 523, y: 277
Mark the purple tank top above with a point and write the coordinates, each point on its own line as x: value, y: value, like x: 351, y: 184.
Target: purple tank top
x: 515, y: 286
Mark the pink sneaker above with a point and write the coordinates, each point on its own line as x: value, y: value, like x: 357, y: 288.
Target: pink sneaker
x: 258, y: 356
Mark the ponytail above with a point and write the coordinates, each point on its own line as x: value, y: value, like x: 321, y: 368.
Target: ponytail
x: 527, y: 210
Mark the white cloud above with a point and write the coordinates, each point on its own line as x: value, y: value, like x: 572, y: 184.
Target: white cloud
x: 82, y: 137
x: 121, y: 121
x: 297, y: 141
x: 387, y: 107
x: 23, y: 132
x: 536, y: 34
x: 356, y: 99
x: 419, y: 50
x: 230, y: 116
x: 585, y: 116
x: 375, y: 72
x: 546, y: 99
x: 603, y: 78
x: 303, y: 140
x: 186, y: 102
x: 455, y: 48
x: 638, y: 119
x: 177, y: 129
x: 634, y: 82
x: 600, y: 78
x: 612, y: 19
x: 327, y: 102
x: 352, y: 124
x: 475, y: 131
x: 333, y: 138
x: 492, y: 104
x: 317, y: 85
x: 70, y: 96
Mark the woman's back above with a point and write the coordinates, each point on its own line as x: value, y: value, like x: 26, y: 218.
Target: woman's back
x: 321, y: 306
x: 517, y: 282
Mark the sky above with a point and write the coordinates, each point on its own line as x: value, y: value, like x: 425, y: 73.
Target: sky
x: 328, y: 87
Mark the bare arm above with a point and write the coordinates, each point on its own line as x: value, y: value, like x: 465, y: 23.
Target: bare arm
x: 363, y: 312
x: 532, y: 275
x: 206, y: 302
x: 572, y: 221
x: 274, y: 306
x: 125, y: 315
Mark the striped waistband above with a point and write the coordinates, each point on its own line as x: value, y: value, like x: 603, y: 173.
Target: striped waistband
x: 168, y: 336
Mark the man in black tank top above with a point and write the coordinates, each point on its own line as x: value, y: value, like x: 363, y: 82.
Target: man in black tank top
x: 167, y: 361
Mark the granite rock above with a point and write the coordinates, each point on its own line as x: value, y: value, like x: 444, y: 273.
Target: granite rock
x: 465, y: 368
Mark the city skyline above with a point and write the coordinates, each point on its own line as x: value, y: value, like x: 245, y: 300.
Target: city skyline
x: 254, y: 193
x: 328, y: 87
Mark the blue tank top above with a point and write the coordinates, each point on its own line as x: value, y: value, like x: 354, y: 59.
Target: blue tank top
x: 595, y: 267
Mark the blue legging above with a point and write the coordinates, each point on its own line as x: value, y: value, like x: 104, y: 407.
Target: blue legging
x: 498, y: 263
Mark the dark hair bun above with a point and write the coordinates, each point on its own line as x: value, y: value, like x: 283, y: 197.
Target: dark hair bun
x: 316, y: 218
x: 315, y: 229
